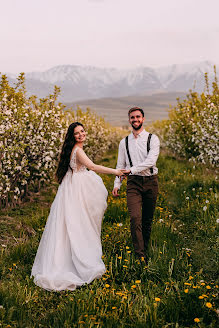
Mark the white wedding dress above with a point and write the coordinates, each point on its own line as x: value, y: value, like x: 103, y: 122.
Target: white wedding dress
x: 70, y: 250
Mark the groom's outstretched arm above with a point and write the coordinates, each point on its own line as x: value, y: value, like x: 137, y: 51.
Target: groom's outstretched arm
x: 121, y: 164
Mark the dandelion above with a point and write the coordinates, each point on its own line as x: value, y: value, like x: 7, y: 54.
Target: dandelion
x: 186, y: 291
x: 157, y: 299
x: 107, y: 286
x: 133, y: 286
x: 127, y: 247
x: 208, y: 305
x: 137, y: 281
x: 208, y: 287
x: 197, y: 320
x: 187, y: 197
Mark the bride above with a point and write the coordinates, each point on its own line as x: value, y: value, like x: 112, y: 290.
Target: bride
x: 70, y: 250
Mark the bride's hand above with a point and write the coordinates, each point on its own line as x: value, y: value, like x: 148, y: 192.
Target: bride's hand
x: 125, y: 172
x: 119, y: 173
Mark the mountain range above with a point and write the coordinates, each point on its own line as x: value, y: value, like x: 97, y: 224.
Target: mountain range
x: 79, y: 83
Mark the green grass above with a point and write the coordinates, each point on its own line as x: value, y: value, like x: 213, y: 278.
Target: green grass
x: 171, y: 291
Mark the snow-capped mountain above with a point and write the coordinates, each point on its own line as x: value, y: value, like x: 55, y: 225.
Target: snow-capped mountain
x: 88, y: 82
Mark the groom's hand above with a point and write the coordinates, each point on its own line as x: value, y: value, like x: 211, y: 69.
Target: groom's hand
x: 115, y: 192
x: 126, y: 172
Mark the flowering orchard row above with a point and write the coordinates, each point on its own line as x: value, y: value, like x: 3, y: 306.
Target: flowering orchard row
x: 32, y: 132
x: 192, y: 129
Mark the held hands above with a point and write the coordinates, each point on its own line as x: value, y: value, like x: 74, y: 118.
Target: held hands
x: 125, y: 172
x: 121, y: 173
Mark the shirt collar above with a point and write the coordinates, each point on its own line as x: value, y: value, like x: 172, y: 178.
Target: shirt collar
x: 140, y: 135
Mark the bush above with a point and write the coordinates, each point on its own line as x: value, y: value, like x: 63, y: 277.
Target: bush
x: 192, y: 128
x: 32, y: 132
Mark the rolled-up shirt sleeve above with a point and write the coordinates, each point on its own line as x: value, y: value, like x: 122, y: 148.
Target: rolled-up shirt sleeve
x: 121, y: 163
x: 152, y: 157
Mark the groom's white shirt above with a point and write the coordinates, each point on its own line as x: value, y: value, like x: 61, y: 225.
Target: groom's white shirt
x: 142, y: 162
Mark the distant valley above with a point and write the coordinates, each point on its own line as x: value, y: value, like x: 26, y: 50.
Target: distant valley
x: 114, y: 110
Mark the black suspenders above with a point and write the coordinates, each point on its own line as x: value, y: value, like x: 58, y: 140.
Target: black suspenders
x: 148, y: 149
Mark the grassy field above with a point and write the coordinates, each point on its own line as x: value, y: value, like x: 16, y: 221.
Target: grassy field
x: 178, y: 288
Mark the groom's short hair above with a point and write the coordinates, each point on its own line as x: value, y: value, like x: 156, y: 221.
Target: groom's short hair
x: 133, y: 109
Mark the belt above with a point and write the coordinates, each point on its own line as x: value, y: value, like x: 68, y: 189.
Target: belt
x: 143, y: 178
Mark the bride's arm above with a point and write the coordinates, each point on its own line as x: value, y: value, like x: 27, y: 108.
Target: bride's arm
x: 84, y: 160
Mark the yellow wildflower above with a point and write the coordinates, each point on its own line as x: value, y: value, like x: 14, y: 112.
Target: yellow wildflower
x: 119, y: 257
x: 209, y: 305
x: 133, y: 286
x: 186, y: 291
x: 107, y: 286
x: 201, y: 297
x: 187, y: 283
x: 137, y: 281
x: 127, y: 247
x: 157, y: 299
x: 208, y: 287
x: 128, y: 252
x: 114, y: 307
x: 190, y: 277
x: 197, y: 320
x: 125, y: 266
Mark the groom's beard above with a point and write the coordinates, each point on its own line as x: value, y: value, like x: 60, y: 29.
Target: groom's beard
x: 136, y: 128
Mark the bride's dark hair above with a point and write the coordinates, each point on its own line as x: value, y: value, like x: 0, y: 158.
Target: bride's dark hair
x: 67, y: 147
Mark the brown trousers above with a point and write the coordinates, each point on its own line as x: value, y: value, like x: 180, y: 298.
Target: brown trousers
x: 141, y: 200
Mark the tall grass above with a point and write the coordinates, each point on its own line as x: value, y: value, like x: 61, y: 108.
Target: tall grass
x: 178, y: 288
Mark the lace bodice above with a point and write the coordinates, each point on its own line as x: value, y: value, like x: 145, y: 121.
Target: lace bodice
x: 76, y: 167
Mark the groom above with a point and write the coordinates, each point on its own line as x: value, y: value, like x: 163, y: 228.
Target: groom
x: 138, y: 154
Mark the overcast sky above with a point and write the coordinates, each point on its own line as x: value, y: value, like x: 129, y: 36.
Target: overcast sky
x: 39, y: 34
